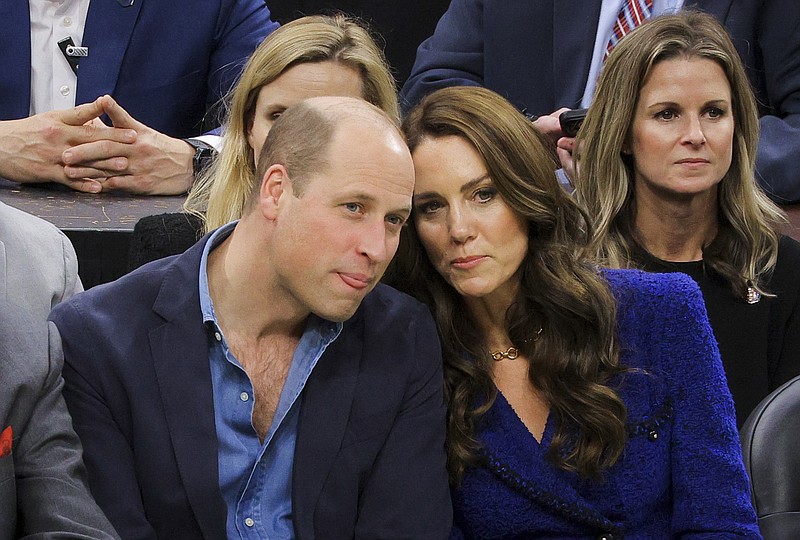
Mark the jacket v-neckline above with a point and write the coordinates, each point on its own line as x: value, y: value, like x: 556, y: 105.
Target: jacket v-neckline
x: 516, y: 458
x: 549, y: 425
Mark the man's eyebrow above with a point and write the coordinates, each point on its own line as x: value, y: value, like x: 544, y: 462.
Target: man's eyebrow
x: 358, y: 196
x: 361, y: 196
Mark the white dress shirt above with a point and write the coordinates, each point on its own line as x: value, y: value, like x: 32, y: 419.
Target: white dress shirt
x: 53, y: 83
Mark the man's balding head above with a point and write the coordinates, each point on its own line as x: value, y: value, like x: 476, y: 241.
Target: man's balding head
x: 301, y: 137
x: 334, y: 192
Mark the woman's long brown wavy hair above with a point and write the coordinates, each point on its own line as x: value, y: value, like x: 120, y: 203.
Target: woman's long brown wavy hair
x: 745, y: 249
x: 560, y: 292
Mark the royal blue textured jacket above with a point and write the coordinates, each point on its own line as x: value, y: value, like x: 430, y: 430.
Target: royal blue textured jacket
x: 681, y: 472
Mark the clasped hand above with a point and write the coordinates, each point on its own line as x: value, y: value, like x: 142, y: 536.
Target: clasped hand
x: 74, y: 147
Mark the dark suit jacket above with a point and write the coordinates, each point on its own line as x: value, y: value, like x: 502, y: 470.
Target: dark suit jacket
x: 538, y: 54
x: 43, y: 488
x: 166, y: 62
x: 369, y: 461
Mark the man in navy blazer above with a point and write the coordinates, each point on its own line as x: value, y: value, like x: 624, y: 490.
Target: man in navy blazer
x: 538, y: 55
x: 262, y: 384
x: 167, y: 64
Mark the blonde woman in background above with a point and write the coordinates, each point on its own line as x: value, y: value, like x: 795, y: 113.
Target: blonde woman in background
x: 308, y: 57
x: 666, y: 169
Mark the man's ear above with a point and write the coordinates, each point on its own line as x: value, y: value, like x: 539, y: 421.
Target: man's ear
x: 275, y: 185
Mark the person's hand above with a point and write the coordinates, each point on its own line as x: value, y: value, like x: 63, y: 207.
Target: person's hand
x: 549, y: 124
x: 31, y: 148
x: 154, y: 164
x: 564, y: 148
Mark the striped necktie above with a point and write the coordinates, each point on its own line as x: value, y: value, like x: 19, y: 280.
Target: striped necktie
x: 631, y: 14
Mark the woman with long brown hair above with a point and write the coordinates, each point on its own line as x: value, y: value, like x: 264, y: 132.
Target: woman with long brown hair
x: 581, y: 401
x: 666, y: 170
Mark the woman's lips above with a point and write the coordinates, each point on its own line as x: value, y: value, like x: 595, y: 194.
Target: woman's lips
x: 465, y: 263
x: 692, y: 161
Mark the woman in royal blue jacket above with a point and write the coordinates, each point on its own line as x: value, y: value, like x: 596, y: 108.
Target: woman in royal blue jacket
x: 582, y: 402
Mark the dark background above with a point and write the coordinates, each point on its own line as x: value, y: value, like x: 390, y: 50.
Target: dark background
x: 402, y: 25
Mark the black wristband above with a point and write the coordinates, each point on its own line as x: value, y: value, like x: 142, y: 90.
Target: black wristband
x: 203, y: 152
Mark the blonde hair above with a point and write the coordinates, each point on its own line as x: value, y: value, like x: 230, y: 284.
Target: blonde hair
x: 746, y: 245
x: 222, y: 191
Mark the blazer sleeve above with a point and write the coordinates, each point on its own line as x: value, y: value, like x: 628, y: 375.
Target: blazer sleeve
x: 407, y: 494
x: 72, y: 282
x: 52, y: 494
x: 705, y: 443
x: 241, y: 26
x: 779, y: 145
x: 108, y: 455
x: 452, y: 56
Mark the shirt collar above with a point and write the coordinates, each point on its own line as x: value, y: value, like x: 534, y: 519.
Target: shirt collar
x: 206, y: 305
x: 327, y: 330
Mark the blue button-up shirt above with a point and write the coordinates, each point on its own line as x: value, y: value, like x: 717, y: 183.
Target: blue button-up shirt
x: 255, y: 478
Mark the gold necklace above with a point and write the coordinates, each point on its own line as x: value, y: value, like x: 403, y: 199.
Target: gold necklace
x: 512, y: 352
x: 509, y: 353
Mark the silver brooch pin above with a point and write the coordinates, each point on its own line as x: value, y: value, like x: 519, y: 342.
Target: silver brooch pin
x: 753, y: 296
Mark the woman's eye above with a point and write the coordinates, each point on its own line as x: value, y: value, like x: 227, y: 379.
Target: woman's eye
x: 352, y: 207
x: 485, y: 194
x: 428, y: 207
x: 715, y: 112
x: 667, y: 114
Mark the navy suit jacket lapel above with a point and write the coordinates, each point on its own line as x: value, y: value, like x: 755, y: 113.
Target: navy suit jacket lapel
x: 15, y: 64
x: 109, y: 25
x: 574, y: 32
x: 180, y: 356
x: 326, y: 405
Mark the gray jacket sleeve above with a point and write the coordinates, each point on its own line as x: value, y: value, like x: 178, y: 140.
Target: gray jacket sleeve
x: 43, y: 486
